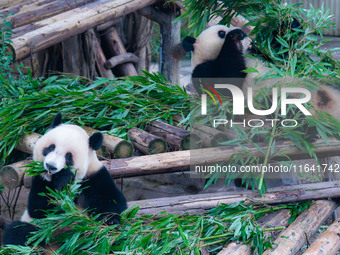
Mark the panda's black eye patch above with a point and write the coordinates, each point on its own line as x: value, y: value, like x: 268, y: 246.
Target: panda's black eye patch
x: 221, y: 34
x: 48, y: 149
x: 69, y: 159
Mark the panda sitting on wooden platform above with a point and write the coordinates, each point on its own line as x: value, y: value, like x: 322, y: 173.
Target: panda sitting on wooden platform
x: 68, y: 145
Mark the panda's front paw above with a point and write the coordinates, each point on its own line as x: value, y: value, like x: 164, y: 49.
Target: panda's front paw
x: 60, y: 179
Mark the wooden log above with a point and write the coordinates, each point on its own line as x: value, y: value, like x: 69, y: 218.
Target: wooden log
x: 11, y: 176
x: 121, y: 59
x: 197, y: 204
x: 27, y: 141
x: 328, y: 243
x: 56, y: 29
x: 211, y: 137
x: 100, y: 58
x: 170, y: 34
x: 182, y: 160
x: 117, y: 147
x: 116, y: 47
x: 279, y: 219
x: 146, y: 142
x: 26, y: 13
x: 108, y: 25
x: 294, y: 237
x: 176, y: 137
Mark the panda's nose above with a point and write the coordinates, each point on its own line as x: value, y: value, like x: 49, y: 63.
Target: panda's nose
x: 241, y: 36
x: 50, y: 168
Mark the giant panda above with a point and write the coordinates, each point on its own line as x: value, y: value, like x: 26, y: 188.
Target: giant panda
x: 326, y: 98
x: 69, y: 145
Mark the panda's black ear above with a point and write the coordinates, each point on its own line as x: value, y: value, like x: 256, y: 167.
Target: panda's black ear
x: 188, y: 43
x: 57, y: 121
x: 96, y: 141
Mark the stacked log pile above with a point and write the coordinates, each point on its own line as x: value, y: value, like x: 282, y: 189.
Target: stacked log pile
x: 85, y: 30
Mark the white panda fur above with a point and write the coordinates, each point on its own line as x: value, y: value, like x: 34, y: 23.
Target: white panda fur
x: 99, y: 193
x: 206, y: 46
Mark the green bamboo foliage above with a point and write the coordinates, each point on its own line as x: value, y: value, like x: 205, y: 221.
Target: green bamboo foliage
x: 76, y: 233
x: 114, y: 105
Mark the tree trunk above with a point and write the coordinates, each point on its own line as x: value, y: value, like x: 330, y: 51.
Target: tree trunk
x: 211, y: 137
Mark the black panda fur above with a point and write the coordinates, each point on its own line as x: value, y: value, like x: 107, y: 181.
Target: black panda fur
x: 99, y: 195
x: 230, y: 63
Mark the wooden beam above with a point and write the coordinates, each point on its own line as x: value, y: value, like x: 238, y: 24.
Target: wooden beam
x: 297, y: 234
x: 328, y: 243
x: 31, y: 11
x: 57, y: 28
x: 198, y: 204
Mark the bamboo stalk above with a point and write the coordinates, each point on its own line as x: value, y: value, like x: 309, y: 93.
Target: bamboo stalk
x: 294, y: 237
x: 328, y: 243
x: 176, y: 137
x: 50, y: 31
x: 146, y: 142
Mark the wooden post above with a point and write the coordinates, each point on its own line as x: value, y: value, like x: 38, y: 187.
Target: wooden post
x: 176, y: 137
x: 170, y: 38
x: 328, y: 243
x: 296, y: 235
x: 145, y: 142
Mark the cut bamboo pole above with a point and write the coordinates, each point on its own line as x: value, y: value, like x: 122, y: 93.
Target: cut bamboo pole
x: 294, y: 237
x: 146, y: 142
x: 56, y: 29
x: 176, y: 137
x: 280, y: 219
x: 116, y: 48
x: 328, y: 243
x: 211, y: 137
x: 116, y: 147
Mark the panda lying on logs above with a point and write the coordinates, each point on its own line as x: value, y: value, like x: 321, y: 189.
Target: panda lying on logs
x: 68, y: 145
